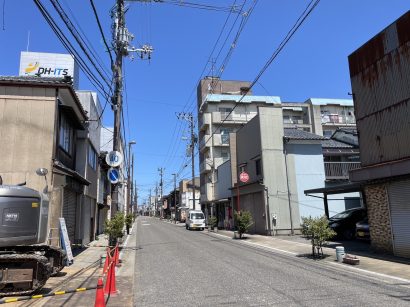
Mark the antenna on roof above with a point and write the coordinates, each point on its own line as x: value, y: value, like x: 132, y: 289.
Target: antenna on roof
x: 28, y: 40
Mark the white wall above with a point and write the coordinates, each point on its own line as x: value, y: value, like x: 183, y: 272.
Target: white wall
x: 309, y: 174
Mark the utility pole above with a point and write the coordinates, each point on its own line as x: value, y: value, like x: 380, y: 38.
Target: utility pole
x: 121, y: 40
x: 156, y: 199
x: 161, y: 174
x: 129, y: 181
x: 190, y: 119
x: 150, y: 202
x: 175, y: 197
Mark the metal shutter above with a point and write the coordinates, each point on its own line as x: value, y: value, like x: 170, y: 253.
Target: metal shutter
x: 399, y: 199
x: 69, y: 210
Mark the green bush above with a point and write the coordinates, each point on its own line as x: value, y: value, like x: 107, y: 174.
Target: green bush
x: 243, y: 221
x: 129, y: 218
x: 113, y: 228
x: 318, y: 232
x: 213, y: 220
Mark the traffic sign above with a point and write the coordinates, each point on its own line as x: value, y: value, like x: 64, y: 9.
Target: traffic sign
x: 113, y: 175
x: 243, y: 177
x: 114, y: 158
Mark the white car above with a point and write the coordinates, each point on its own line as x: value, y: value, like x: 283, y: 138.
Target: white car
x: 195, y: 220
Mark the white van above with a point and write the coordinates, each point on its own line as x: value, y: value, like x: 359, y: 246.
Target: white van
x: 195, y: 219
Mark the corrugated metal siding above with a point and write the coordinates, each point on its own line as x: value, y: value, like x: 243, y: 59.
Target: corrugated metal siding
x: 399, y: 201
x: 69, y: 212
x: 381, y: 87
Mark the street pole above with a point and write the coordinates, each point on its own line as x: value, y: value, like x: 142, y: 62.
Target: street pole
x: 190, y: 119
x: 117, y: 97
x: 129, y: 182
x: 121, y: 40
x: 175, y: 197
x: 161, y: 174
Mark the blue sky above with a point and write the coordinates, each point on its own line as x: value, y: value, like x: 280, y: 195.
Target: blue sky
x: 313, y: 64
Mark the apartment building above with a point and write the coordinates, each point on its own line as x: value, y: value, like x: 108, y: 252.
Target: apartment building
x: 222, y: 109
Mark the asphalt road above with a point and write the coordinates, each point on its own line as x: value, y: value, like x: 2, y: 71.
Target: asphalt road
x: 177, y: 267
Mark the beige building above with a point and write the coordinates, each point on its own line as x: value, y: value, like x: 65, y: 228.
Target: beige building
x: 379, y: 72
x: 40, y: 119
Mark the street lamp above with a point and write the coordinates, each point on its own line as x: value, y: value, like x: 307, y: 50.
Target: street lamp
x: 129, y: 176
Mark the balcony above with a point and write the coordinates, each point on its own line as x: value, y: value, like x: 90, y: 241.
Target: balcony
x: 204, y: 121
x: 233, y: 118
x: 205, y: 142
x: 337, y: 119
x: 340, y: 170
x: 205, y: 166
x: 221, y: 139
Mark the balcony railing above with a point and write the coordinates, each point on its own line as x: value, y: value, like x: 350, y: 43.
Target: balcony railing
x: 340, y: 170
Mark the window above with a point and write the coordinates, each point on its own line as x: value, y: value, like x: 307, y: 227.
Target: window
x: 225, y: 135
x: 66, y: 135
x: 258, y: 167
x: 92, y: 157
x: 226, y: 113
x: 225, y: 154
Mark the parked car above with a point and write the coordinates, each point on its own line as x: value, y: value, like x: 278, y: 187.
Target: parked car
x: 344, y: 223
x: 362, y: 230
x: 195, y: 219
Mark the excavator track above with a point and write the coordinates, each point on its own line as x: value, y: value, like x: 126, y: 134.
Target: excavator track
x: 38, y: 265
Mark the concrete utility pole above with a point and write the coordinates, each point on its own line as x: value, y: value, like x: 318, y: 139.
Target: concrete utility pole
x: 190, y: 119
x: 121, y: 40
x: 175, y: 197
x: 161, y: 174
x: 156, y: 199
x: 129, y: 181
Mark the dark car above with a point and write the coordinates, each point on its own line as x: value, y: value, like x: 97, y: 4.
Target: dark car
x: 344, y: 223
x: 362, y: 230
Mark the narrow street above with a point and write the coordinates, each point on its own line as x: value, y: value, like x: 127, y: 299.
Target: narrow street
x: 177, y: 267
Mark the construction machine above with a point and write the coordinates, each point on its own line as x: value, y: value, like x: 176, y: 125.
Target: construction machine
x: 26, y: 260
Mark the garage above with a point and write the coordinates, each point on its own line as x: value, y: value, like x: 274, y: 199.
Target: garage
x: 399, y: 201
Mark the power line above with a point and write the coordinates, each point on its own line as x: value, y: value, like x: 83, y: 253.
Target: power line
x: 80, y: 41
x: 69, y: 47
x: 101, y: 31
x: 308, y: 10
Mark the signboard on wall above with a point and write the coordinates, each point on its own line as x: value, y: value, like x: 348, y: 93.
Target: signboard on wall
x: 52, y: 65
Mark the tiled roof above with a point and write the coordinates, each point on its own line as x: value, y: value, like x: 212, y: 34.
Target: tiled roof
x: 297, y: 134
x: 34, y: 79
x: 329, y: 143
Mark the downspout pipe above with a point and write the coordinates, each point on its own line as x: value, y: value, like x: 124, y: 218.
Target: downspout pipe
x: 286, y: 141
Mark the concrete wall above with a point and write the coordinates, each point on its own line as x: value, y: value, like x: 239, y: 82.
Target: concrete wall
x: 27, y: 119
x: 224, y: 182
x: 306, y: 170
x: 273, y: 163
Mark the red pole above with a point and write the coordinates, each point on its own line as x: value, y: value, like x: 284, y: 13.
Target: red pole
x: 237, y: 197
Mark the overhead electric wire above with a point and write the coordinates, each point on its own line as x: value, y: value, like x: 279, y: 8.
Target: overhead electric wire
x: 78, y: 25
x: 197, y: 5
x: 308, y: 10
x: 102, y: 32
x: 203, y: 70
x: 80, y: 41
x: 66, y: 43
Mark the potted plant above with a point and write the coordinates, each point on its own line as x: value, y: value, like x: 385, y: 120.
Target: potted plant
x: 113, y: 228
x: 212, y: 222
x: 243, y: 221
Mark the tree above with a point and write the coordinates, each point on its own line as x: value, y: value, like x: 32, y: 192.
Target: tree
x: 113, y: 228
x: 243, y: 221
x: 213, y: 220
x: 317, y: 230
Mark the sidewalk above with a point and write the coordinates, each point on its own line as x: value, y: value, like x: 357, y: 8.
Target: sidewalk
x: 370, y: 262
x: 84, y: 273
